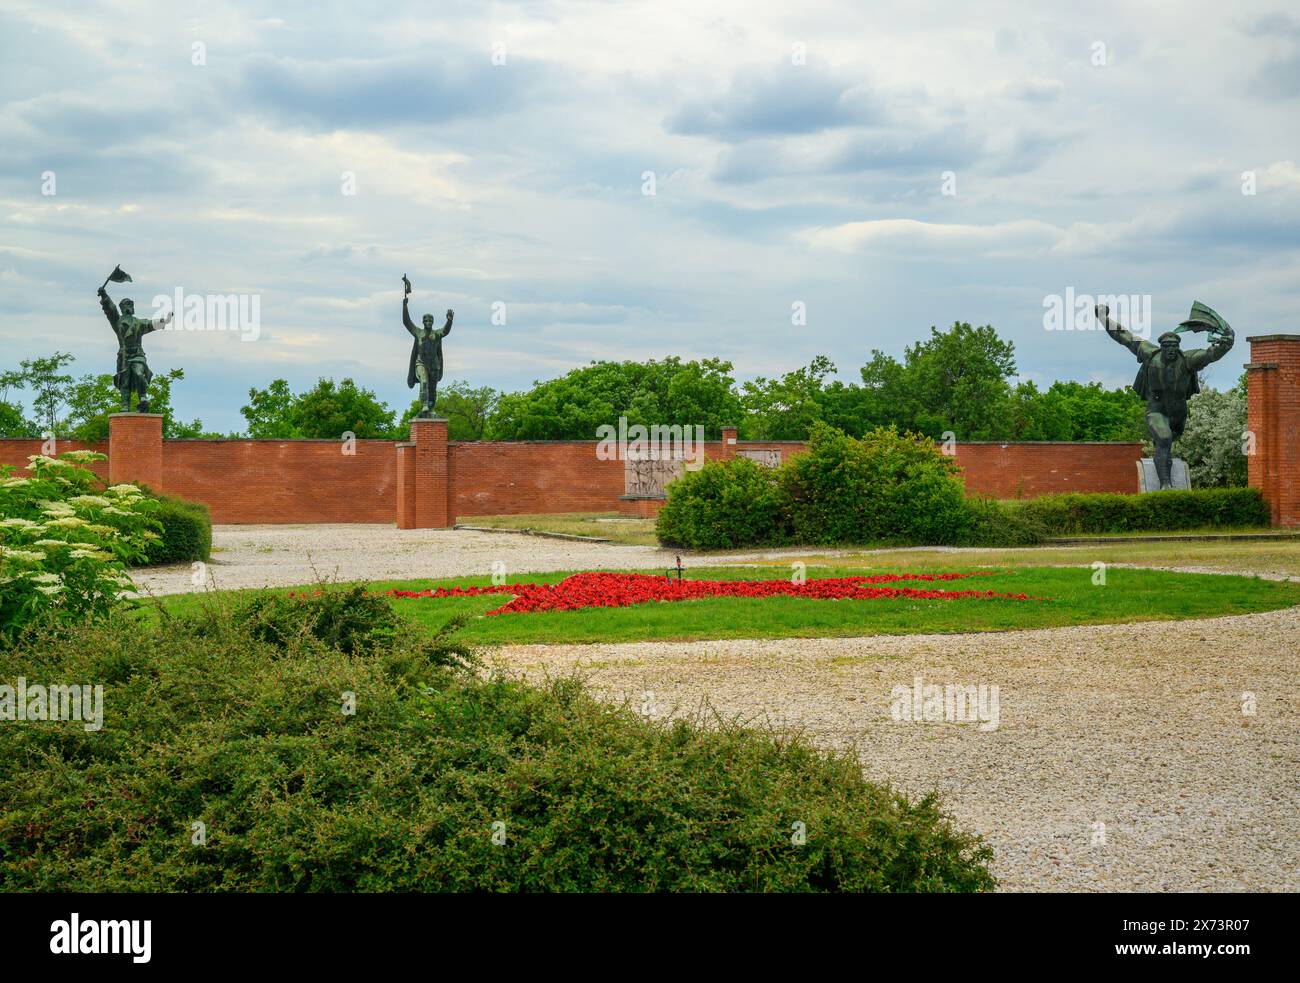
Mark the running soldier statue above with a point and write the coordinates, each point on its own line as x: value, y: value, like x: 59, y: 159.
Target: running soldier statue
x: 1167, y: 378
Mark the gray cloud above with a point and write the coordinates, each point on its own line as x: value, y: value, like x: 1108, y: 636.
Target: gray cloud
x: 398, y: 90
x: 789, y: 99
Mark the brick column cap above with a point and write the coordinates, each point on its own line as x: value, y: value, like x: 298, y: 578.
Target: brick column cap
x: 1275, y: 337
x: 135, y: 416
x: 1259, y: 365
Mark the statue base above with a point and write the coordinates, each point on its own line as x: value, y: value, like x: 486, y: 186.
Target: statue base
x: 1149, y: 481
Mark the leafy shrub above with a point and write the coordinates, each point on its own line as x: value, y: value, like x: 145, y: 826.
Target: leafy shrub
x: 186, y: 532
x: 1154, y: 512
x: 887, y: 486
x: 729, y: 503
x: 995, y: 523
x: 64, y: 541
x: 348, y: 619
x: 212, y: 720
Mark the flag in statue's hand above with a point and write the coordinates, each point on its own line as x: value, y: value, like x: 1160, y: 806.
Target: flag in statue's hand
x: 119, y: 275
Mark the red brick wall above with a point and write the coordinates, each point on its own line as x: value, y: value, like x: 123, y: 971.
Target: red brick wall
x: 270, y: 481
x: 1025, y: 470
x: 16, y: 452
x: 304, y: 481
x: 1273, y: 417
x: 1029, y: 470
x: 510, y: 478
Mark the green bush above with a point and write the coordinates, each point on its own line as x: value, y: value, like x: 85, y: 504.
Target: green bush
x: 186, y: 532
x: 729, y: 503
x: 349, y: 619
x: 995, y: 523
x: 1167, y: 511
x: 211, y: 720
x: 886, y: 487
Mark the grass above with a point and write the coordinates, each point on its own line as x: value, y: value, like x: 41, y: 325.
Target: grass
x: 601, y: 525
x: 1128, y: 596
x: 1273, y: 557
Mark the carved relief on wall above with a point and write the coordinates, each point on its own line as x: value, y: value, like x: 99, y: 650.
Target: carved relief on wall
x: 647, y: 472
x: 767, y: 458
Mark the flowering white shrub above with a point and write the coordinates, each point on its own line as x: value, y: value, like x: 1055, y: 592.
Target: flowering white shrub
x: 65, y: 542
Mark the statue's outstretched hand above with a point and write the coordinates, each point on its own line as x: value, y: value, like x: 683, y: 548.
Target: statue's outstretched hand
x: 1102, y: 312
x: 450, y: 314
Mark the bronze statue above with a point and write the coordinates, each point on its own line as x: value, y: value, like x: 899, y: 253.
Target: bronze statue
x: 1167, y: 378
x: 132, y: 375
x: 426, y: 354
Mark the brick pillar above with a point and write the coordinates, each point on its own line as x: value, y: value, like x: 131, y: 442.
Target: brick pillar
x: 406, y: 486
x: 1273, y: 417
x: 135, y: 449
x: 431, y: 475
x: 728, y: 442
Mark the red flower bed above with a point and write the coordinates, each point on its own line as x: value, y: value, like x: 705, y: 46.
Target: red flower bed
x: 617, y: 590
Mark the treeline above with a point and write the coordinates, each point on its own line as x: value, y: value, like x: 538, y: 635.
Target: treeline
x: 960, y: 380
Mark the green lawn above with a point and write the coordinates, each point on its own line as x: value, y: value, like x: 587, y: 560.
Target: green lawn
x: 1128, y: 595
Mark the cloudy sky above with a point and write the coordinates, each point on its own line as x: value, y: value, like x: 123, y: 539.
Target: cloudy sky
x: 498, y: 155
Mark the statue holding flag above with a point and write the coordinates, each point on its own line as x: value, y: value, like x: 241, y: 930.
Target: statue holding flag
x: 132, y: 375
x: 425, y: 368
x: 1167, y: 378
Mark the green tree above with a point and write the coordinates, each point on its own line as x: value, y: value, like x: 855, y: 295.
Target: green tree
x: 267, y: 412
x: 467, y: 409
x: 786, y: 408
x: 329, y: 410
x: 12, y: 421
x: 665, y: 393
x: 50, y: 386
x: 958, y: 380
x: 92, y: 398
x: 1212, y: 442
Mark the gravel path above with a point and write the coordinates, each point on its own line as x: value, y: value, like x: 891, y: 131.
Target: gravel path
x: 284, y: 556
x: 1137, y: 727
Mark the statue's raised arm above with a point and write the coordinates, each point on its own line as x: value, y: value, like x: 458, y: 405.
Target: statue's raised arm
x: 1122, y: 334
x: 109, y: 308
x: 1218, y: 331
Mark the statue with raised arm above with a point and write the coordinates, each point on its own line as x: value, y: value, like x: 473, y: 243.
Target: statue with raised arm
x: 132, y: 375
x: 1167, y: 377
x: 426, y: 354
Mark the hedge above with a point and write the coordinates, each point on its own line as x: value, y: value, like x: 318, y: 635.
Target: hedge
x: 1166, y: 511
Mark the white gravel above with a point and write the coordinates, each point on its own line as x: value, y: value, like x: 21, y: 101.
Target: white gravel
x: 1137, y: 727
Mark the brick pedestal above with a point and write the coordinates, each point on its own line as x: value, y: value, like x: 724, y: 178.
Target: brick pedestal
x: 1273, y: 417
x: 424, y: 478
x: 135, y: 449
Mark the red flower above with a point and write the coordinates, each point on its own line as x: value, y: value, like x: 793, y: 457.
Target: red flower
x: 583, y: 590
